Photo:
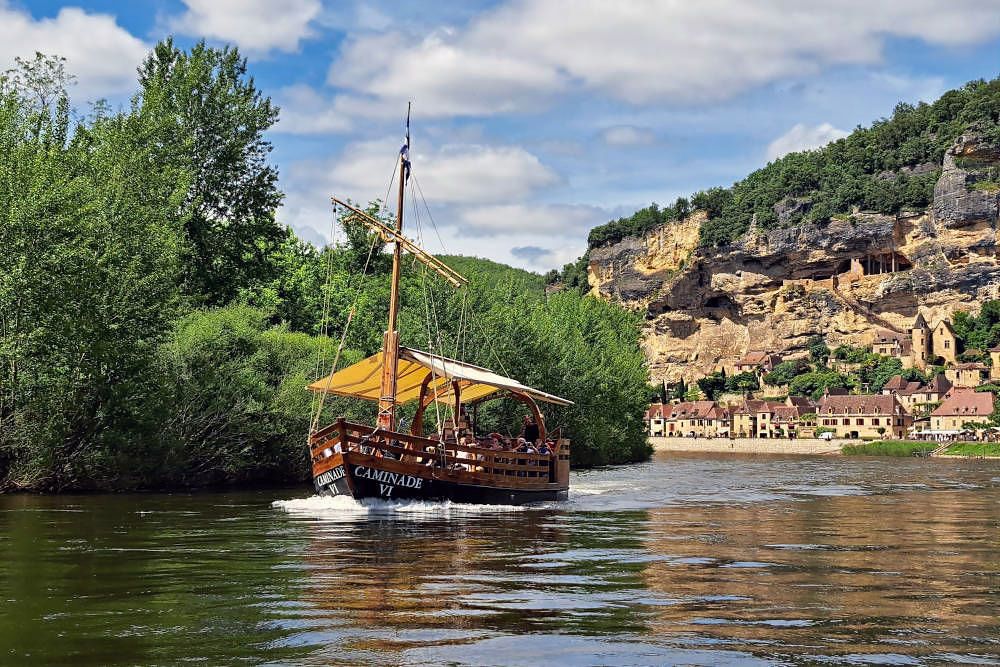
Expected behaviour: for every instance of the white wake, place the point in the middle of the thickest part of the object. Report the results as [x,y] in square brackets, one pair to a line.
[329,506]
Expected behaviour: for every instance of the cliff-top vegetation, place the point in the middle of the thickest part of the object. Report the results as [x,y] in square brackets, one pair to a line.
[888,167]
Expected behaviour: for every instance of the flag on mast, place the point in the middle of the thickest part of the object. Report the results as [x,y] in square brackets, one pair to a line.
[404,152]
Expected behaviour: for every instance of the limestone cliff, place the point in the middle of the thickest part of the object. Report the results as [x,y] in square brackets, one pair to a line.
[843,279]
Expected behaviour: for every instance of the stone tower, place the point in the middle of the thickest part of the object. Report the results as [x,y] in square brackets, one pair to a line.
[945,342]
[920,334]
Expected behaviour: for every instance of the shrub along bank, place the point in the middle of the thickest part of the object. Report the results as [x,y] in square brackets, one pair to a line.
[157,324]
[890,448]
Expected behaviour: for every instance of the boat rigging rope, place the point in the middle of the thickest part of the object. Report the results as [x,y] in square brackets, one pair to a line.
[428,303]
[324,325]
[314,422]
[482,330]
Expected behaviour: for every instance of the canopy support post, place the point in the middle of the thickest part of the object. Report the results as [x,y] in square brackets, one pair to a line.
[535,412]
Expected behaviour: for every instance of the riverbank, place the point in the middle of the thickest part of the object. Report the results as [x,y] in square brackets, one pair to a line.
[810,446]
[817,447]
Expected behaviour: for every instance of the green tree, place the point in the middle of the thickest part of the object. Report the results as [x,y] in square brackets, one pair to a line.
[712,385]
[743,383]
[785,372]
[814,383]
[819,353]
[876,370]
[87,285]
[680,390]
[210,124]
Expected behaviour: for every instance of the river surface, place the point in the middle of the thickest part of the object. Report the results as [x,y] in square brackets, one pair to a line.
[686,559]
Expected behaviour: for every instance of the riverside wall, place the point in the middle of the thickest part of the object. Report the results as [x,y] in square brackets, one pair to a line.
[813,446]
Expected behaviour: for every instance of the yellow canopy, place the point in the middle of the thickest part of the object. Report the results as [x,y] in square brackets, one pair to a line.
[364,380]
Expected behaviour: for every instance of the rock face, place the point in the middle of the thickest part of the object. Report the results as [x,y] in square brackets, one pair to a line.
[957,199]
[844,279]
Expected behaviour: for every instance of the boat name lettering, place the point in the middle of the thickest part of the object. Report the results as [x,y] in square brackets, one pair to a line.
[330,476]
[386,477]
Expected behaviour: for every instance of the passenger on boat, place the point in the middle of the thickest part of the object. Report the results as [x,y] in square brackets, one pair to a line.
[544,448]
[463,455]
[530,432]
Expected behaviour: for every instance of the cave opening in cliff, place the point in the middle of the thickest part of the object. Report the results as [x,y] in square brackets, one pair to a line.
[875,264]
[721,306]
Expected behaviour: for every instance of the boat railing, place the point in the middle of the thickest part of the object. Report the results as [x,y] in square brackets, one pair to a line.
[346,436]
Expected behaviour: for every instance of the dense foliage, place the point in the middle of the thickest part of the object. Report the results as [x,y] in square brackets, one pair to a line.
[888,167]
[157,325]
[980,331]
[638,223]
[713,385]
[209,120]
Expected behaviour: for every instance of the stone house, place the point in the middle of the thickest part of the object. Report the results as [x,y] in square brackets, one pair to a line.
[864,416]
[790,421]
[773,419]
[912,394]
[932,392]
[891,344]
[970,374]
[696,419]
[904,390]
[929,343]
[654,419]
[944,342]
[744,418]
[995,361]
[758,362]
[961,406]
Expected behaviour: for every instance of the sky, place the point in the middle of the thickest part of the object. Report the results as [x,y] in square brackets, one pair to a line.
[533,120]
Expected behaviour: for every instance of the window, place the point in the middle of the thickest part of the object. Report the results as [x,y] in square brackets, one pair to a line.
[947,344]
[859,422]
[847,422]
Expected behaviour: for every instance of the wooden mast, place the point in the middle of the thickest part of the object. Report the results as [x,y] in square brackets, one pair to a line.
[390,342]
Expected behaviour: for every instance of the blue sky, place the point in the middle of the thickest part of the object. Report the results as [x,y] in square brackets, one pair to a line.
[535,120]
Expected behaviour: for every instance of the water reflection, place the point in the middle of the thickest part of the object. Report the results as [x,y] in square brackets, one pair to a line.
[685,560]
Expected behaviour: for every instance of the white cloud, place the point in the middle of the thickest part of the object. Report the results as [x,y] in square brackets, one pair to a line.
[441,76]
[99,52]
[448,173]
[305,111]
[256,26]
[515,57]
[481,198]
[543,219]
[455,178]
[803,138]
[627,135]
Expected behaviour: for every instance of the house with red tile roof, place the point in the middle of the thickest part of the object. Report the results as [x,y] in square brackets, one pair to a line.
[696,419]
[864,416]
[757,361]
[960,407]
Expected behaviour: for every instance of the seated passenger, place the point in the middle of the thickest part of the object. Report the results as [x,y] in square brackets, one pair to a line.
[530,430]
[544,448]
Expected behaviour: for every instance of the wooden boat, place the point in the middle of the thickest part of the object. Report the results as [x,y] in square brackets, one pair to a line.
[383,461]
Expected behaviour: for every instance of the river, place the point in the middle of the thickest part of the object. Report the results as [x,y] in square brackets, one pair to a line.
[687,559]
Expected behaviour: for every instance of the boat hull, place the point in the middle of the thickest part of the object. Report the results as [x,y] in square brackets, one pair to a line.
[371,477]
